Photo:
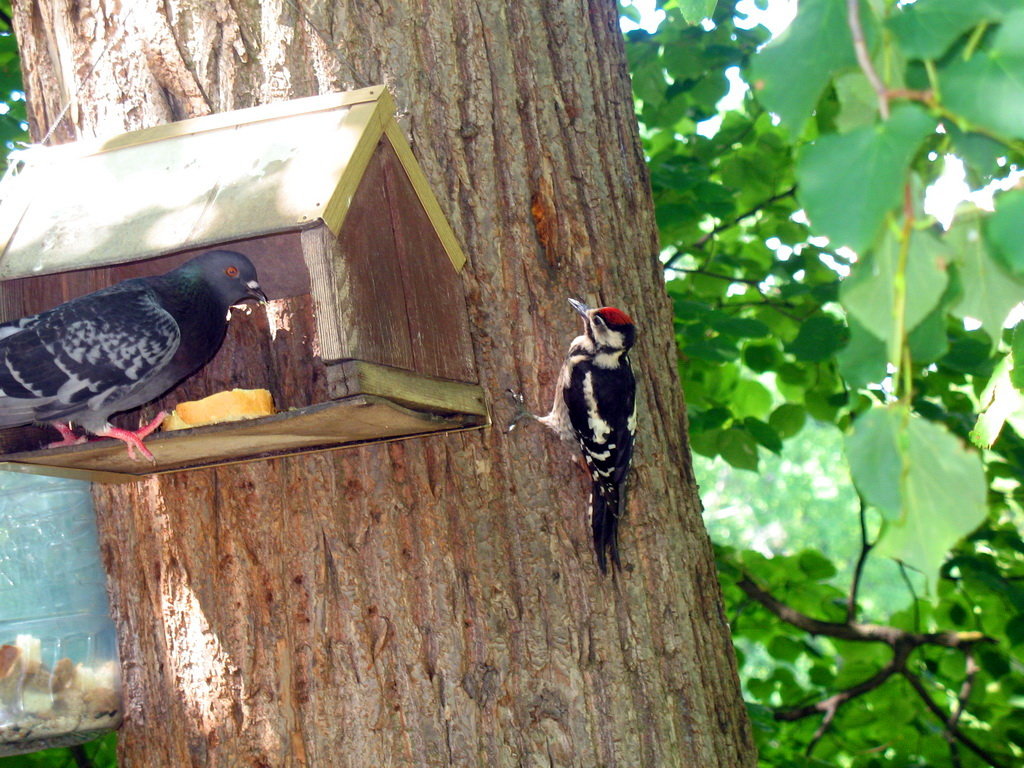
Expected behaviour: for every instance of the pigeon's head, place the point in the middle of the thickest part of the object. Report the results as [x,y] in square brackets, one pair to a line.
[230,275]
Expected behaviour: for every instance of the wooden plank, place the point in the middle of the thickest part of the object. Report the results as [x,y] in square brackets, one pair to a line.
[434,298]
[425,194]
[412,389]
[319,249]
[371,299]
[354,420]
[366,122]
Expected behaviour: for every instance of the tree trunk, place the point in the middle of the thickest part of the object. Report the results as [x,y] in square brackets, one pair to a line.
[434,601]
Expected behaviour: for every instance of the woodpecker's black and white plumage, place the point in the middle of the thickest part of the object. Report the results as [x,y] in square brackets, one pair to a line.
[595,406]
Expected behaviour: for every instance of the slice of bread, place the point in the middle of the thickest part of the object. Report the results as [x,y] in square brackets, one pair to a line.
[231,405]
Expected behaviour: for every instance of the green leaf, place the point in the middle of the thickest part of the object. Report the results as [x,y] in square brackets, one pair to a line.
[1004,232]
[785,648]
[944,498]
[999,401]
[993,662]
[988,88]
[980,154]
[818,339]
[816,566]
[990,292]
[928,341]
[751,398]
[858,102]
[819,39]
[694,11]
[872,162]
[876,463]
[649,82]
[738,448]
[968,355]
[926,29]
[763,434]
[869,294]
[740,327]
[788,419]
[1017,353]
[762,357]
[1015,630]
[716,350]
[863,360]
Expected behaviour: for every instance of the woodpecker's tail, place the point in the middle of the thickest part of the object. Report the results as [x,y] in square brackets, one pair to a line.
[605,509]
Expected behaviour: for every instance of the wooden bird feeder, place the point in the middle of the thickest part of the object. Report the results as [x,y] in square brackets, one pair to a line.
[366,336]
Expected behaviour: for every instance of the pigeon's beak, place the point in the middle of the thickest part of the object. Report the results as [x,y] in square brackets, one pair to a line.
[580,307]
[255,292]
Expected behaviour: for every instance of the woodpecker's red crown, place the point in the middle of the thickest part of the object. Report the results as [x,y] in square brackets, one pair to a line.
[613,316]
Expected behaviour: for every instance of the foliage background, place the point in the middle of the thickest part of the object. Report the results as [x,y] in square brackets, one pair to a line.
[829,326]
[837,347]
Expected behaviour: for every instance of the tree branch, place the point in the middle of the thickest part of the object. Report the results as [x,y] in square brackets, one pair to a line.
[724,225]
[860,46]
[855,631]
[913,593]
[858,570]
[831,705]
[953,730]
[903,643]
[971,671]
[706,273]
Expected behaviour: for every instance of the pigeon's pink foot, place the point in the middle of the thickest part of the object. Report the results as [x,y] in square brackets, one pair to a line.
[134,439]
[67,435]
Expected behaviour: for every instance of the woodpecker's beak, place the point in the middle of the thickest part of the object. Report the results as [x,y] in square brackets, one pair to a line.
[580,307]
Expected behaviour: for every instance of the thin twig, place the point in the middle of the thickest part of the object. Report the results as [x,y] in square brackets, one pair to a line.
[924,96]
[860,46]
[829,706]
[858,570]
[729,278]
[855,631]
[954,730]
[779,306]
[724,225]
[913,594]
[970,671]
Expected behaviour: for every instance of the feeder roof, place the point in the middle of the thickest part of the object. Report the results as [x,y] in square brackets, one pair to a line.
[199,182]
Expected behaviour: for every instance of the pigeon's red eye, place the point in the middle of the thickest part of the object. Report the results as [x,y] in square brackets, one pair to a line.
[231,271]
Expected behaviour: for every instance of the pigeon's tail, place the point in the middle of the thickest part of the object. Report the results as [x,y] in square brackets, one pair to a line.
[605,509]
[15,411]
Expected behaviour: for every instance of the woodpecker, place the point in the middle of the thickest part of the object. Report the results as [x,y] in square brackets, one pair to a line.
[595,406]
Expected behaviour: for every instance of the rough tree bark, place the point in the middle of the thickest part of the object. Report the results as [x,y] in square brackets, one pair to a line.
[435,601]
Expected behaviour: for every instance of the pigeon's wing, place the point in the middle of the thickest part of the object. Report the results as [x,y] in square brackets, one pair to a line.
[14,326]
[86,355]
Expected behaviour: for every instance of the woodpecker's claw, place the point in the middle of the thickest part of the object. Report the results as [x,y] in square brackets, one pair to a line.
[520,405]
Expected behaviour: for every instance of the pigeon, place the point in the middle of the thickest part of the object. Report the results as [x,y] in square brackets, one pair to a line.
[119,348]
